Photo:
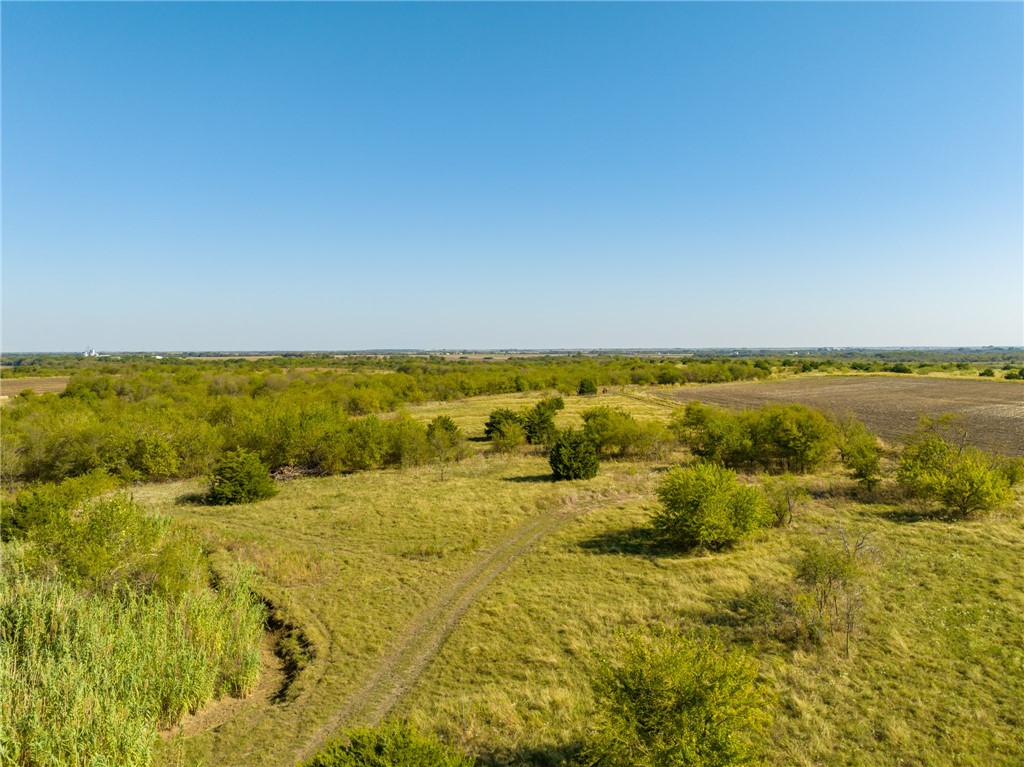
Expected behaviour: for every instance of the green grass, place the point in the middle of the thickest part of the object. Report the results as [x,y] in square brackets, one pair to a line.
[935,675]
[88,678]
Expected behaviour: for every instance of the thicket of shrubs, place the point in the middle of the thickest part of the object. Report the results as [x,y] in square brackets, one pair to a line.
[143,419]
[964,480]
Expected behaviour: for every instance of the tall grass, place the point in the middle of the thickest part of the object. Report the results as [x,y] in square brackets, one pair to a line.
[89,678]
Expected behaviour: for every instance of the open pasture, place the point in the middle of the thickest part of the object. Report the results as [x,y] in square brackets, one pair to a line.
[991,411]
[478,604]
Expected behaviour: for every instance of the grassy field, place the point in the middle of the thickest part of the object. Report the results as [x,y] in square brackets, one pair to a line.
[477,604]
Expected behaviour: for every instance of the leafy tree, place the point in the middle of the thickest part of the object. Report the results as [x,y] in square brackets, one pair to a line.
[508,437]
[713,434]
[392,744]
[573,456]
[446,441]
[498,419]
[785,495]
[860,453]
[587,387]
[705,505]
[539,421]
[668,699]
[965,480]
[240,477]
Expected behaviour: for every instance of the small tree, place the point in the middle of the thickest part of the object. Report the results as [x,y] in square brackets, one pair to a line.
[667,699]
[965,480]
[860,453]
[573,456]
[705,505]
[587,387]
[508,438]
[785,495]
[539,421]
[498,419]
[446,441]
[240,477]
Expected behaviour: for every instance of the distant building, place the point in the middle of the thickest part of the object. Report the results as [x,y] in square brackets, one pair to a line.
[90,353]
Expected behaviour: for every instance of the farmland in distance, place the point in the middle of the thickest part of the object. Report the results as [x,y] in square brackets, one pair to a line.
[991,411]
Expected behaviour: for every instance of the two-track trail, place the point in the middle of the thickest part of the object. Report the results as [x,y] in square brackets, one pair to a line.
[384,685]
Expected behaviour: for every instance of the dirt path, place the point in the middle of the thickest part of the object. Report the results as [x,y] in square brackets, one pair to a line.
[384,685]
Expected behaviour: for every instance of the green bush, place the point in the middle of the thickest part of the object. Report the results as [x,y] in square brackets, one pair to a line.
[240,477]
[446,441]
[392,744]
[667,699]
[587,387]
[860,453]
[705,505]
[964,481]
[775,438]
[573,456]
[539,421]
[508,438]
[499,419]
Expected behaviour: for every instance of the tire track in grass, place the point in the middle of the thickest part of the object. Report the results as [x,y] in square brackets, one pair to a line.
[418,645]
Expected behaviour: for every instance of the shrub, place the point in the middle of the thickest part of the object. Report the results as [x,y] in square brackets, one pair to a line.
[240,477]
[587,387]
[987,373]
[860,453]
[706,506]
[667,699]
[539,421]
[392,744]
[573,456]
[964,481]
[785,495]
[508,438]
[776,438]
[498,419]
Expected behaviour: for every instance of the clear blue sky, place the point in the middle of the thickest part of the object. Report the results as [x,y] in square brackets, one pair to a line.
[349,176]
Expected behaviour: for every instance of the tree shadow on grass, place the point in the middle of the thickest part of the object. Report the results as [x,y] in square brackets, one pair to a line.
[531,478]
[634,541]
[553,755]
[913,516]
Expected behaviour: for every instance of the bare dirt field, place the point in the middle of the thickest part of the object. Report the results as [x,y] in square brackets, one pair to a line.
[10,387]
[992,411]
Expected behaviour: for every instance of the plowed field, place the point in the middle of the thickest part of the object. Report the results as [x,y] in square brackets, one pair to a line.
[992,411]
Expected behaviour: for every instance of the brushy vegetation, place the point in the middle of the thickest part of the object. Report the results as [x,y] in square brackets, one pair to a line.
[850,652]
[705,505]
[964,480]
[392,744]
[774,438]
[669,699]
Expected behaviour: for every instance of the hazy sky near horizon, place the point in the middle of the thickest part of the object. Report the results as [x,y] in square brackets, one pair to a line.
[191,176]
